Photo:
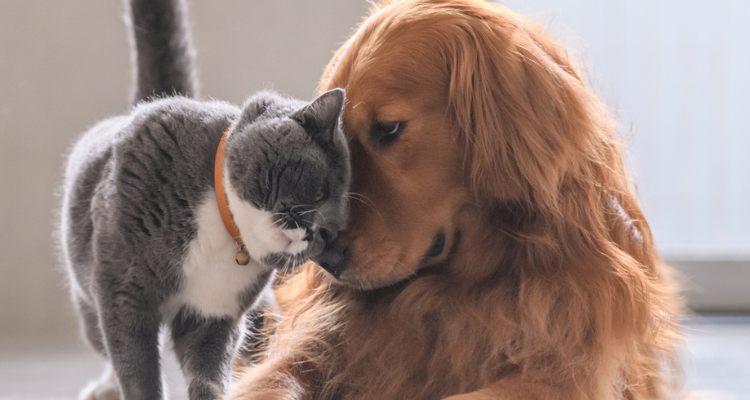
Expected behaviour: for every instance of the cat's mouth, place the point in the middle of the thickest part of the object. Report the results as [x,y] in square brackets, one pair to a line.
[296,240]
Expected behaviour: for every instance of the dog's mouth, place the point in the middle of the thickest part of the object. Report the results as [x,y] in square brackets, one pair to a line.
[435,262]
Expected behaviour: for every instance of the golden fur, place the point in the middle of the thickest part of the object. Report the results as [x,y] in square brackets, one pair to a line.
[551,287]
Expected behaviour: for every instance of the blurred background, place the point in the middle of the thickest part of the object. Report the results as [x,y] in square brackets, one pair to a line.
[675,72]
[677,75]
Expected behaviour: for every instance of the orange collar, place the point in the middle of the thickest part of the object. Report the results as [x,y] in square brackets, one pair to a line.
[242,256]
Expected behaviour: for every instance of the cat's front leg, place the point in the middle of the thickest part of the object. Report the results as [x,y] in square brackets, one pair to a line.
[205,348]
[131,331]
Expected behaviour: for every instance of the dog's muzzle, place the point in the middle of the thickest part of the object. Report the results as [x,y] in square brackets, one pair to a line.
[334,258]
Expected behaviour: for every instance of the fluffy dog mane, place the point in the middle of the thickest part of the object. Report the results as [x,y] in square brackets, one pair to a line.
[558,292]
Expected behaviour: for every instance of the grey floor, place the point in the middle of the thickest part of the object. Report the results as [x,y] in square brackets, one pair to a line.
[716,362]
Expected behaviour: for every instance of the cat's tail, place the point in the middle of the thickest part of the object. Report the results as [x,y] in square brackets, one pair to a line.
[161,49]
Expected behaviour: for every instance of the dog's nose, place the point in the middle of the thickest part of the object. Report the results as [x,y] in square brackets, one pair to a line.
[334,258]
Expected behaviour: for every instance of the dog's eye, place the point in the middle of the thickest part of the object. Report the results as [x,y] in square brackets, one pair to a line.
[386,133]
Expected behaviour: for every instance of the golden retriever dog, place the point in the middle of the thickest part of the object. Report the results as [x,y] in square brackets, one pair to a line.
[495,249]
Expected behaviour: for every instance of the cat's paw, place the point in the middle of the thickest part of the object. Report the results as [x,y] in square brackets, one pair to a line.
[106,388]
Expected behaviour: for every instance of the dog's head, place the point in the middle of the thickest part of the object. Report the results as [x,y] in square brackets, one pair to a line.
[453,107]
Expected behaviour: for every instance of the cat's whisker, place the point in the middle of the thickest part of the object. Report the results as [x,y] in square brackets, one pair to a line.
[323,217]
[319,273]
[364,200]
[286,265]
[314,225]
[298,206]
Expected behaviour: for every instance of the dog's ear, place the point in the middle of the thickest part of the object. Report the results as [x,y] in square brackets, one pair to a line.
[520,107]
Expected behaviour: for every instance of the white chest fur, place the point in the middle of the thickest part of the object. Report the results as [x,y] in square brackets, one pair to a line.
[213,281]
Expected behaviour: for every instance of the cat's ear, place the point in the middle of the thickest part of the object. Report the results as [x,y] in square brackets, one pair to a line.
[322,115]
[256,105]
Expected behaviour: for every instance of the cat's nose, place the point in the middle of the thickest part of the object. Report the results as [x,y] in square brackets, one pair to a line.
[334,258]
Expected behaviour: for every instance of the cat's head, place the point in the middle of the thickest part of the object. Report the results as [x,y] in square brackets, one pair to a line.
[287,175]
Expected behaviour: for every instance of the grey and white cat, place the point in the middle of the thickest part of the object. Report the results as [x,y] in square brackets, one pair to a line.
[142,237]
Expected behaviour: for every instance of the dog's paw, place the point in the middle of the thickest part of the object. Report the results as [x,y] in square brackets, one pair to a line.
[106,388]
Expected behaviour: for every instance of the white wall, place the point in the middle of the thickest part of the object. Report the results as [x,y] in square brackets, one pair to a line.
[677,72]
[64,65]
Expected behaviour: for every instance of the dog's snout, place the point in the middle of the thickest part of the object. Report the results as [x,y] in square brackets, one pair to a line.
[326,235]
[334,258]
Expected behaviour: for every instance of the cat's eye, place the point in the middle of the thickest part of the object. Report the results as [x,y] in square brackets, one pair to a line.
[322,194]
[386,133]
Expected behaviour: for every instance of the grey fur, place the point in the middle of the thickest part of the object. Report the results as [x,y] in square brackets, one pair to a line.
[163,60]
[134,189]
[283,154]
[205,348]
